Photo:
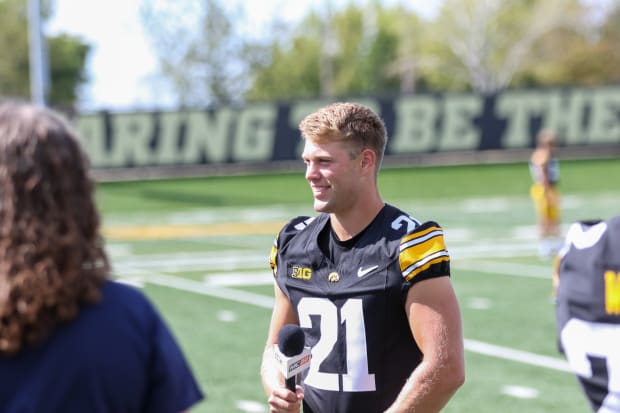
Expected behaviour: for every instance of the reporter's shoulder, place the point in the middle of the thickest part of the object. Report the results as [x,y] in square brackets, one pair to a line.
[121,294]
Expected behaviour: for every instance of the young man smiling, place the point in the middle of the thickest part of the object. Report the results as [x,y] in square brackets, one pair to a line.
[375,301]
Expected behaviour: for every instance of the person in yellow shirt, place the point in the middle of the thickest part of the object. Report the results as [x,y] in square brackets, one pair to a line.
[545,171]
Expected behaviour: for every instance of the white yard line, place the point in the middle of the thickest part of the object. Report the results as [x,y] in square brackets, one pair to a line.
[240,259]
[525,357]
[505,268]
[198,287]
[263,301]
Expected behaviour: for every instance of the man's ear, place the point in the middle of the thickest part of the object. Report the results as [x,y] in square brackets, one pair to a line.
[368,160]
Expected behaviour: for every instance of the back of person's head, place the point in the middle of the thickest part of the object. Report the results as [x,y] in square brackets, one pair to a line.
[352,123]
[52,257]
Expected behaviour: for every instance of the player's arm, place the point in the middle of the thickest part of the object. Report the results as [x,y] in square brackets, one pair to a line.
[280,398]
[435,321]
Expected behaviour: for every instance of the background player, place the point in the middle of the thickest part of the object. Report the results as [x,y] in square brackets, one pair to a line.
[368,283]
[71,340]
[588,309]
[545,171]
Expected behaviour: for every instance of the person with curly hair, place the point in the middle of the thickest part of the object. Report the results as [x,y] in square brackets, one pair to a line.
[71,339]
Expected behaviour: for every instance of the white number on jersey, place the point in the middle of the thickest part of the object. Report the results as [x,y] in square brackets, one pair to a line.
[580,339]
[405,219]
[357,377]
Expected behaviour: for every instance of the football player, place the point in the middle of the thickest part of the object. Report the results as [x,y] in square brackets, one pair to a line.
[588,309]
[368,284]
[545,172]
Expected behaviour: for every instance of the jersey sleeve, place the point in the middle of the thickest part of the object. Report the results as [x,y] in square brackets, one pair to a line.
[423,253]
[589,273]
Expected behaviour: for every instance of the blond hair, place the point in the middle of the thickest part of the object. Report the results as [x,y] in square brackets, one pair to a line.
[352,123]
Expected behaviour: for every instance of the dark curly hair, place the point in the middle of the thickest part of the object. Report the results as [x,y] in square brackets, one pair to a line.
[52,258]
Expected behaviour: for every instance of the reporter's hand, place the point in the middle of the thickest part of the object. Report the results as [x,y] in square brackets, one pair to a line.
[282,400]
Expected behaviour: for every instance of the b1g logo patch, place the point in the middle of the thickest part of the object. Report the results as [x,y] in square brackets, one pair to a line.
[301,273]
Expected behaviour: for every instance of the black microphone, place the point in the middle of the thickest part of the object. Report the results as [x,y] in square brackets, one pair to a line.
[291,354]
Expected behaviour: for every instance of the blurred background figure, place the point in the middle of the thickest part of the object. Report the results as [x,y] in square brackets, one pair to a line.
[71,340]
[545,171]
[588,309]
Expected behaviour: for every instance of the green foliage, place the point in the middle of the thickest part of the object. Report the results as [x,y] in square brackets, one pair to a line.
[350,52]
[67,57]
[14,80]
[376,49]
[367,48]
[67,61]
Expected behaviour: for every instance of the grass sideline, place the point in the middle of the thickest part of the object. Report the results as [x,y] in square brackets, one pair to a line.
[213,288]
[581,176]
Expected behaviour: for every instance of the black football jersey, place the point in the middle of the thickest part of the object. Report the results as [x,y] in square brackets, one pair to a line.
[352,311]
[588,309]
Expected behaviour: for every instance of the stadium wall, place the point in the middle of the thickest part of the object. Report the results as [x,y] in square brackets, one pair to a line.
[433,128]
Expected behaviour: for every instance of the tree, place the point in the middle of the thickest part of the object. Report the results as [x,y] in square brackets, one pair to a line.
[67,57]
[14,48]
[334,53]
[492,39]
[198,50]
[67,60]
[368,48]
[588,57]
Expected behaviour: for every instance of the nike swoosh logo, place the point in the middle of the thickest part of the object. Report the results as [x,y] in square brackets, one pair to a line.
[363,271]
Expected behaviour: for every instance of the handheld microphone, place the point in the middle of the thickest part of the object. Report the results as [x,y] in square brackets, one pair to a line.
[291,354]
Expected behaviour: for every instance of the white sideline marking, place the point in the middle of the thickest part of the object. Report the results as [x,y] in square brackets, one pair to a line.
[520,392]
[227,316]
[517,355]
[493,249]
[192,286]
[239,260]
[250,406]
[267,302]
[228,279]
[479,303]
[194,262]
[506,268]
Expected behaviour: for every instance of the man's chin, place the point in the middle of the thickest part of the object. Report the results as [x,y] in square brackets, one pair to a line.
[320,206]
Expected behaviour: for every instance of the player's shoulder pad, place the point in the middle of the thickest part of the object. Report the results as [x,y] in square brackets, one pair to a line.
[583,234]
[288,231]
[293,227]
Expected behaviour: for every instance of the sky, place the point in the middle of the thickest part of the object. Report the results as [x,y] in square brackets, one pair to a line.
[122,66]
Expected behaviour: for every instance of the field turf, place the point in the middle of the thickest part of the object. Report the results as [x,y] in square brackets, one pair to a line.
[199,248]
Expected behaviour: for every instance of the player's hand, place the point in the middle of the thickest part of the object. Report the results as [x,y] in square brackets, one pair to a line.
[282,400]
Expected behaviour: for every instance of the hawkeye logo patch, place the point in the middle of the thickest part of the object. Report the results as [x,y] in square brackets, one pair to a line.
[301,273]
[333,277]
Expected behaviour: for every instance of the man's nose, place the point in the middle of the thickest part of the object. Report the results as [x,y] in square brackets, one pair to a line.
[311,171]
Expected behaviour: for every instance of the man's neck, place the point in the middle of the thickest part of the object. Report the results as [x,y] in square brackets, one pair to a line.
[349,224]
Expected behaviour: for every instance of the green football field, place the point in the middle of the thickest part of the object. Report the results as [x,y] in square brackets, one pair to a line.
[199,249]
